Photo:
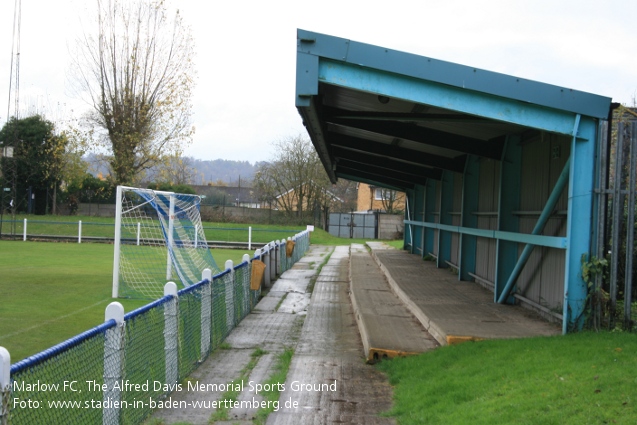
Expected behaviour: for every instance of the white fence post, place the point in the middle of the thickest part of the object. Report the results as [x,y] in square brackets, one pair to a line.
[230,316]
[79,232]
[113,363]
[277,257]
[171,334]
[272,262]
[5,385]
[249,238]
[267,253]
[246,281]
[206,312]
[139,232]
[24,230]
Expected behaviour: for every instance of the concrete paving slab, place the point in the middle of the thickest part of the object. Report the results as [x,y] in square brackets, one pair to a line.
[334,274]
[270,332]
[268,304]
[292,285]
[250,396]
[294,274]
[220,369]
[454,311]
[295,303]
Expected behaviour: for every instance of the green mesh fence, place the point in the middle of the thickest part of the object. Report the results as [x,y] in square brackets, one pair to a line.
[145,360]
[51,387]
[119,373]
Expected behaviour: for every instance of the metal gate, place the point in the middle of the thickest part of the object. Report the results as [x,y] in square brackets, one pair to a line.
[354,225]
[614,290]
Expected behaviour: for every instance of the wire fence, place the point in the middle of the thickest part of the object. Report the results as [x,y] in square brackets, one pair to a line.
[120,371]
[30,228]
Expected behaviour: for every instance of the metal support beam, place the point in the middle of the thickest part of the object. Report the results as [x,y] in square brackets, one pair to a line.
[419,214]
[430,208]
[537,230]
[506,255]
[446,205]
[579,222]
[409,232]
[470,196]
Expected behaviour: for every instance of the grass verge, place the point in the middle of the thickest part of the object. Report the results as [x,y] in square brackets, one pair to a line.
[574,379]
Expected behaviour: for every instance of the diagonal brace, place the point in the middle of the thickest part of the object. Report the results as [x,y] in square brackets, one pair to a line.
[537,230]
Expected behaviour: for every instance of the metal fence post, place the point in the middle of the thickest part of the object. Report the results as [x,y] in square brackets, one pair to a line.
[79,232]
[5,385]
[171,334]
[113,362]
[206,312]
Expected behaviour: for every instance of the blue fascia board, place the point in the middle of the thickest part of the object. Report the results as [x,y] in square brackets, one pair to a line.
[446,97]
[539,240]
[452,74]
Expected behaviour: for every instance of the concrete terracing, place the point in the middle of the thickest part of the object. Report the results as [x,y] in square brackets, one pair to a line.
[387,327]
[451,310]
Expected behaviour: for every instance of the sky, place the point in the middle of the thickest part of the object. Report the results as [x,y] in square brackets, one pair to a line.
[246,54]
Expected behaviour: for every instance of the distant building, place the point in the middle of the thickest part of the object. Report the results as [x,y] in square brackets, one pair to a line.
[375,198]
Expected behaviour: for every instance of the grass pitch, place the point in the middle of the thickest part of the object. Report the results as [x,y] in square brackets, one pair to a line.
[50,292]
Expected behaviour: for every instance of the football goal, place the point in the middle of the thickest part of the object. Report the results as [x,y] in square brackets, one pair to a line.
[158,238]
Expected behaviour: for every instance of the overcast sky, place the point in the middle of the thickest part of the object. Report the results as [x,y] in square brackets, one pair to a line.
[246,52]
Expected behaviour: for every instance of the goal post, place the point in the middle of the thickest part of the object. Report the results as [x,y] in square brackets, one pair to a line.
[158,237]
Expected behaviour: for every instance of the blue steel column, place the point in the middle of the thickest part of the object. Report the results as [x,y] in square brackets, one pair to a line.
[430,206]
[470,196]
[579,224]
[446,205]
[409,237]
[419,215]
[509,201]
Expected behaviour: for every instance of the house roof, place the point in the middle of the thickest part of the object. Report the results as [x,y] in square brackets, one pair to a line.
[396,119]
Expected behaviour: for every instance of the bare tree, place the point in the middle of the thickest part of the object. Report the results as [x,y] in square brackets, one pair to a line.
[294,181]
[173,169]
[135,66]
[390,201]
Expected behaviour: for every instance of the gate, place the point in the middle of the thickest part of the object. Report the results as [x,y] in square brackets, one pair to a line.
[354,225]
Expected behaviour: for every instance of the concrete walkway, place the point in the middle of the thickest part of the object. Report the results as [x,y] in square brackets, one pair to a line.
[328,381]
[454,311]
[329,352]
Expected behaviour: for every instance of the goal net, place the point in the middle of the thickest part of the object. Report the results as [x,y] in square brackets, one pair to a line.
[158,238]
